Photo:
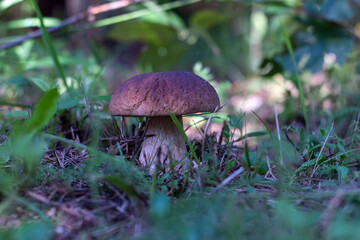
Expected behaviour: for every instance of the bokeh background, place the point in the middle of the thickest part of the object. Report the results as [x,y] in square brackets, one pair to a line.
[238,46]
[287,72]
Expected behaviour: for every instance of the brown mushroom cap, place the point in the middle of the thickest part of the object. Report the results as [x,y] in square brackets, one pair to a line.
[155,94]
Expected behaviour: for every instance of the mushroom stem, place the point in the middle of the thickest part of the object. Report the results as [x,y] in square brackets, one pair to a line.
[166,137]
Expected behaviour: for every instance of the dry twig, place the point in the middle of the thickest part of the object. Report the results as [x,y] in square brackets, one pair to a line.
[227,180]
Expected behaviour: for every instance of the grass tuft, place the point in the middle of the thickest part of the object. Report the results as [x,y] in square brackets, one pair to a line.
[49,43]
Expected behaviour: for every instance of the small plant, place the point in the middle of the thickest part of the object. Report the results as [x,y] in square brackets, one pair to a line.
[69,170]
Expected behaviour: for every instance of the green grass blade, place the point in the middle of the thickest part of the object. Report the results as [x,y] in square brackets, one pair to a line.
[154,181]
[266,126]
[298,81]
[183,134]
[48,42]
[119,182]
[247,155]
[32,207]
[141,13]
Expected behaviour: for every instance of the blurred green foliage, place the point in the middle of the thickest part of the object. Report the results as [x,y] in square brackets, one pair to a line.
[54,93]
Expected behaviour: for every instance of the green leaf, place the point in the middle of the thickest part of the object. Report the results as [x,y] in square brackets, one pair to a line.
[159,206]
[337,11]
[118,182]
[164,49]
[236,121]
[70,100]
[202,71]
[322,132]
[32,22]
[4,158]
[4,153]
[105,98]
[24,50]
[4,4]
[325,38]
[296,222]
[345,224]
[162,58]
[17,80]
[342,173]
[26,143]
[27,147]
[17,115]
[151,33]
[5,234]
[39,230]
[305,165]
[7,184]
[45,110]
[42,84]
[206,19]
[341,147]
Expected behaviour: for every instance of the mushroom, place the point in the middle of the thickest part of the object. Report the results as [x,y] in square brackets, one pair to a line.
[154,95]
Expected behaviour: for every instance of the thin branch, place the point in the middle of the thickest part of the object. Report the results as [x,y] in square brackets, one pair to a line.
[228,180]
[279,137]
[205,132]
[87,15]
[269,172]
